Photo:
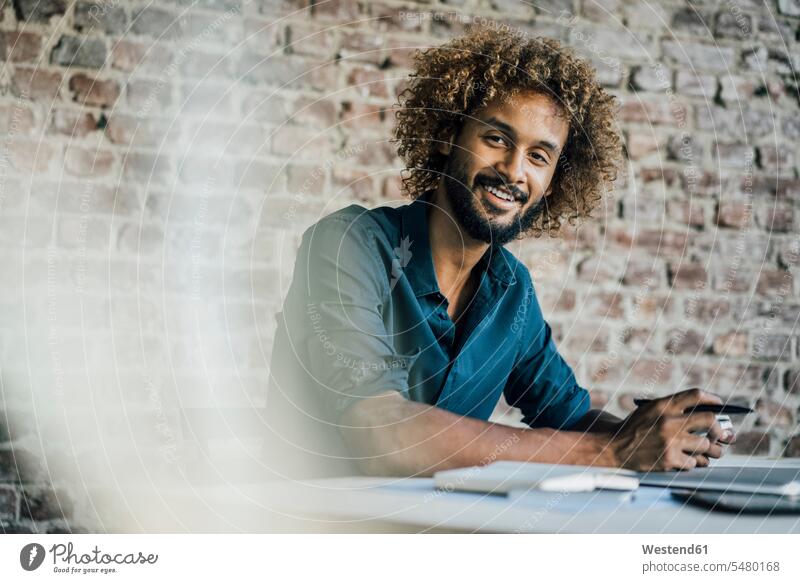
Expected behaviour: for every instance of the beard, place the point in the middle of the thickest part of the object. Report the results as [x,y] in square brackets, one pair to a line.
[471,214]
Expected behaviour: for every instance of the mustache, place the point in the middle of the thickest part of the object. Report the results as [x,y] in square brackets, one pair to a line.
[497,182]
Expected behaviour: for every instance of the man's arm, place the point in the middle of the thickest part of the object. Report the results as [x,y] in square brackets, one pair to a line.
[393,436]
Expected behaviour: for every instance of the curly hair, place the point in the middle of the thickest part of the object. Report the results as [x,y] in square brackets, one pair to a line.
[452,81]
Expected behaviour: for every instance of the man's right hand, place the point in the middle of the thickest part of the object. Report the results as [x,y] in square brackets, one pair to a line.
[658,435]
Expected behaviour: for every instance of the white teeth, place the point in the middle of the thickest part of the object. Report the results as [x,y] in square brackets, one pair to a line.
[500,193]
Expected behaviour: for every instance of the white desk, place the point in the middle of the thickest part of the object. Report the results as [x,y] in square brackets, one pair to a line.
[413,504]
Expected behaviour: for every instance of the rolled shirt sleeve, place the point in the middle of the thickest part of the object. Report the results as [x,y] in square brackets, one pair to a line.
[542,385]
[342,284]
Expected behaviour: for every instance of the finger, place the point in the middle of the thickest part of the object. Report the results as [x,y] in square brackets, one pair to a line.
[728,437]
[701,422]
[702,461]
[681,461]
[695,444]
[690,398]
[714,451]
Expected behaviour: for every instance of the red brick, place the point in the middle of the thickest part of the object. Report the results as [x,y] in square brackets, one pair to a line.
[669,176]
[20,47]
[88,162]
[732,344]
[659,112]
[776,158]
[141,57]
[707,309]
[690,213]
[73,123]
[368,82]
[656,241]
[16,119]
[651,373]
[91,91]
[705,183]
[580,341]
[310,40]
[640,144]
[604,370]
[685,341]
[367,47]
[735,214]
[752,443]
[35,84]
[604,305]
[686,275]
[392,189]
[775,218]
[643,273]
[339,10]
[773,282]
[146,132]
[772,414]
[354,184]
[637,339]
[362,116]
[320,113]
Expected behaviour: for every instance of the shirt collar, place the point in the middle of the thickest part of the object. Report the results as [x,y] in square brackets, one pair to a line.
[419,267]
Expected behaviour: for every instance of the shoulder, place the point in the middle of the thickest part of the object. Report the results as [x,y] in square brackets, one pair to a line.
[354,223]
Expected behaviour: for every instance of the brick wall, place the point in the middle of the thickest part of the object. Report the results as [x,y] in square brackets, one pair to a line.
[160,161]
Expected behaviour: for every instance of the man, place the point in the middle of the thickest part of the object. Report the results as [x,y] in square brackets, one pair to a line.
[403,326]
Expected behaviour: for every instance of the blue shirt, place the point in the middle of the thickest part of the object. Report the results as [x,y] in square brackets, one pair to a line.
[364,314]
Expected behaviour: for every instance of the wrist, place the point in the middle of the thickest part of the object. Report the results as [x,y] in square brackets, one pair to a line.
[605,453]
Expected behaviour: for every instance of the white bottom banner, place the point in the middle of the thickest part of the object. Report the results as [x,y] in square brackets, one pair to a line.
[401,558]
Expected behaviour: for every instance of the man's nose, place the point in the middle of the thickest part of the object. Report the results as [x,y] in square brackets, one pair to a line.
[512,168]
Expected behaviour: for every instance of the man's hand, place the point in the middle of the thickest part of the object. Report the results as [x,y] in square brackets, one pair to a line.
[658,435]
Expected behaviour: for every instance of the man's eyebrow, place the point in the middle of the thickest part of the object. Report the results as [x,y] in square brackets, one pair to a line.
[504,127]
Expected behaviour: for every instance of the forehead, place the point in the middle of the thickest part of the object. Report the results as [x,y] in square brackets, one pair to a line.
[533,115]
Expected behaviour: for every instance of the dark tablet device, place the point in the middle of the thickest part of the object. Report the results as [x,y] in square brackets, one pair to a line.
[741,503]
[718,409]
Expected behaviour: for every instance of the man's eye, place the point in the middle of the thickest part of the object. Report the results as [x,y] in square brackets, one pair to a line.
[538,157]
[499,139]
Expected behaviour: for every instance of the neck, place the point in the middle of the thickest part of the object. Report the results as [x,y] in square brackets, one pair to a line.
[454,252]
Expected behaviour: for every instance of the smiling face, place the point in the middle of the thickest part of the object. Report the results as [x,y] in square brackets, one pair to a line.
[500,166]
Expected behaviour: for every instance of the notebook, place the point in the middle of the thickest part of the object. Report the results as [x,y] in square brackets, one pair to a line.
[503,477]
